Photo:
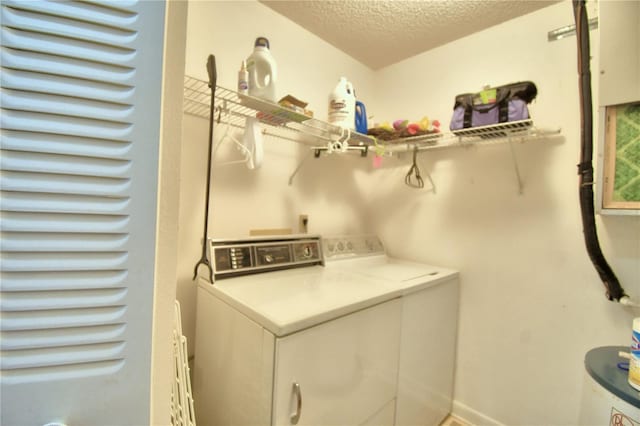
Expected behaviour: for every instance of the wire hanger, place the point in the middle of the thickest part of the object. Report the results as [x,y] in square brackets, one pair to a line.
[413,177]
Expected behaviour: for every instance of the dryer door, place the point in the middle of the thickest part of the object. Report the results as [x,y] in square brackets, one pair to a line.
[341,372]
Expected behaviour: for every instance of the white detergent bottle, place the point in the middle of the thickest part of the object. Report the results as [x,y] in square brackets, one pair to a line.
[263,72]
[342,105]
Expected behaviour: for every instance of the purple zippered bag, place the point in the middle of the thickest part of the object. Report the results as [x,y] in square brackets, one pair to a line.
[509,104]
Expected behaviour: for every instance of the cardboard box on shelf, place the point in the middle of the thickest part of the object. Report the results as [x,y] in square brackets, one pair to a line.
[296,105]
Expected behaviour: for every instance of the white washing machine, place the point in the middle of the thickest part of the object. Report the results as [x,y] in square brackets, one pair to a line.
[282,339]
[430,296]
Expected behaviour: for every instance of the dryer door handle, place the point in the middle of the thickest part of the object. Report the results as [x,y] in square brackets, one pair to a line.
[295,417]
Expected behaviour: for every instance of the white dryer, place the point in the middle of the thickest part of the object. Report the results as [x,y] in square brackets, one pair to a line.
[283,339]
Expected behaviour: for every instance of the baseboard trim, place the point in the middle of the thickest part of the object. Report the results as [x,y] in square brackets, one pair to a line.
[472,416]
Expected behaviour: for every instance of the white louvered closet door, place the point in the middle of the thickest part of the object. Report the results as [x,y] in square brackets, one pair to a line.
[80,103]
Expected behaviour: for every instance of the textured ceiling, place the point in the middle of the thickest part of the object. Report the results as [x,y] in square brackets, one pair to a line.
[380,33]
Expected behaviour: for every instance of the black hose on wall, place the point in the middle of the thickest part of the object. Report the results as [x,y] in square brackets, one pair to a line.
[585,168]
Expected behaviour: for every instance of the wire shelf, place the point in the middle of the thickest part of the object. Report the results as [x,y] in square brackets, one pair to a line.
[324,137]
[500,130]
[281,122]
[233,109]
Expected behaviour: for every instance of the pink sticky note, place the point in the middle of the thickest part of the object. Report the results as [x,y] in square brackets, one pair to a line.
[377,161]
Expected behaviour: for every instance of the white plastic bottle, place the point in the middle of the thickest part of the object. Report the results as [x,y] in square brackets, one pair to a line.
[342,105]
[263,72]
[243,79]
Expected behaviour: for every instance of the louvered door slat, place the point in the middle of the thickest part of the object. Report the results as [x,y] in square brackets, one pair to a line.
[116,13]
[64,125]
[65,66]
[62,280]
[43,83]
[80,96]
[66,355]
[66,47]
[52,319]
[77,223]
[61,299]
[64,144]
[63,261]
[62,203]
[65,105]
[47,242]
[71,336]
[59,183]
[64,164]
[66,27]
[73,372]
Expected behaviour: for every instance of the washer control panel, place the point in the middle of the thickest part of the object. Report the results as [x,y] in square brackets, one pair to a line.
[236,257]
[351,246]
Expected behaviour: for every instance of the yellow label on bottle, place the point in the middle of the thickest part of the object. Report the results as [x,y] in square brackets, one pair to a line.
[634,372]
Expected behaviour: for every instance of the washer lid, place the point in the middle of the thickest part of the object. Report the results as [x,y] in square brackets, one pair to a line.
[408,276]
[400,272]
[287,301]
[602,364]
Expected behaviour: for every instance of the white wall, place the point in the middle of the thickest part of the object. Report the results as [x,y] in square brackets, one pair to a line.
[243,199]
[531,303]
